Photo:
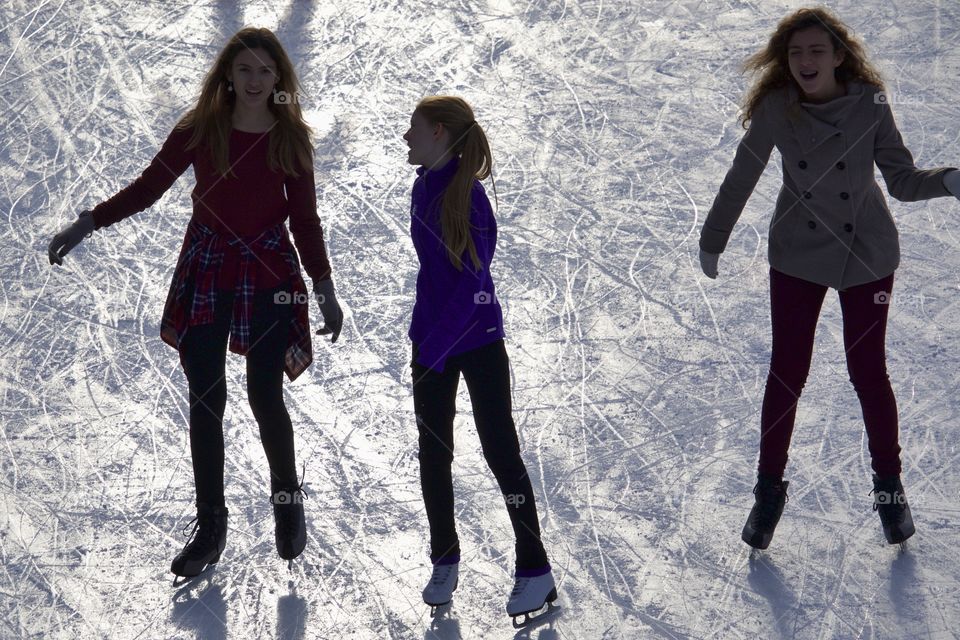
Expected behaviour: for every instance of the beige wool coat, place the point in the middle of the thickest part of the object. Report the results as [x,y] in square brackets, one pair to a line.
[831,224]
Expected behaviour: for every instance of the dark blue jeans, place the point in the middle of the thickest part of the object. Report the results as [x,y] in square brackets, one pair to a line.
[486,371]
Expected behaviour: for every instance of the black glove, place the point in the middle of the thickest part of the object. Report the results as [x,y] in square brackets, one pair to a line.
[69,237]
[329,308]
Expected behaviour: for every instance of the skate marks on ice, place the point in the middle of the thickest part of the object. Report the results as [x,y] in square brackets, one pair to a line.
[637,384]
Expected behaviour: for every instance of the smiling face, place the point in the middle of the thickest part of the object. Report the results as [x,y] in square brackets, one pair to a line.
[254,74]
[812,61]
[427,142]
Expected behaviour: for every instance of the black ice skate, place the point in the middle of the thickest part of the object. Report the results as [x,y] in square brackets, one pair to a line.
[771,495]
[890,502]
[206,541]
[291,526]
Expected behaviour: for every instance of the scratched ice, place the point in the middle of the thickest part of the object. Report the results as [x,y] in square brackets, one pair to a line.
[637,381]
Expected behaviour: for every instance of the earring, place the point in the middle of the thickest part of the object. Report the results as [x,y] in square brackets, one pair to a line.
[229,86]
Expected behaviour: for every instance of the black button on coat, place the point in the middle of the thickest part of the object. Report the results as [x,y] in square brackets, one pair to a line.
[855,131]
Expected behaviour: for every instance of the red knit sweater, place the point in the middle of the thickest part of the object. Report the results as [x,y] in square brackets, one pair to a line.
[244,205]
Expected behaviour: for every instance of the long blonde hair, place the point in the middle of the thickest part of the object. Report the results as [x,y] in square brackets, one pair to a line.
[772,65]
[211,118]
[467,140]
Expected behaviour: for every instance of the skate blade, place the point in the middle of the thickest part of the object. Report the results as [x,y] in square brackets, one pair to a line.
[179,581]
[899,537]
[546,613]
[756,540]
[437,609]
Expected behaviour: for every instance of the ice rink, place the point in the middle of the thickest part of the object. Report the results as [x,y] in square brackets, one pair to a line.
[637,380]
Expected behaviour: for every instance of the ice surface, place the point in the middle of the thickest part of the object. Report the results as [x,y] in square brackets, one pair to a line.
[637,381]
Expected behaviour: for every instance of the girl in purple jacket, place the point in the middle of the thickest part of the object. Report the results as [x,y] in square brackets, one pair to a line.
[457,327]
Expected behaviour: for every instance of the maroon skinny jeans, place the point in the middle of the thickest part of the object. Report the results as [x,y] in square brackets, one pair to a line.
[795,307]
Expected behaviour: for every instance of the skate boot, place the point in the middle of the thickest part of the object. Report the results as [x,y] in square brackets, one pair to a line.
[206,541]
[890,502]
[291,525]
[771,495]
[443,582]
[530,594]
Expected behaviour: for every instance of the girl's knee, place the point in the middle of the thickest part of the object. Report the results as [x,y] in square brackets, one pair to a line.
[433,454]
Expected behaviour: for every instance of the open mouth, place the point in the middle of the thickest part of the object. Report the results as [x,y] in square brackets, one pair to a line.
[808,75]
[253,93]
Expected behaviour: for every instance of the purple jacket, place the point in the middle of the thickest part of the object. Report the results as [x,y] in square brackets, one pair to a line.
[455,311]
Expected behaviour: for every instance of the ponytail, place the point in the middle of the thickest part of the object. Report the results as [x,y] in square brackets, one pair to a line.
[476,162]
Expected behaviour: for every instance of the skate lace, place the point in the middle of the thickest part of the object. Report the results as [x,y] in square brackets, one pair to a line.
[287,521]
[767,507]
[441,573]
[892,512]
[519,586]
[201,537]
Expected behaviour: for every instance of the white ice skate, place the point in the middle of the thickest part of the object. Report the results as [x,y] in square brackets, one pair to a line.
[443,582]
[529,595]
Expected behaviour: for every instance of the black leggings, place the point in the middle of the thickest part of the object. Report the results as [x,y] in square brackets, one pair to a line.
[487,373]
[203,353]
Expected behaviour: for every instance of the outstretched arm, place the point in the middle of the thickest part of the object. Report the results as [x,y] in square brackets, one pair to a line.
[748,165]
[904,181]
[169,163]
[166,167]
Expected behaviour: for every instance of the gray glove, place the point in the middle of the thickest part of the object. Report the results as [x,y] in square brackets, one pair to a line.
[708,262]
[951,180]
[69,237]
[329,309]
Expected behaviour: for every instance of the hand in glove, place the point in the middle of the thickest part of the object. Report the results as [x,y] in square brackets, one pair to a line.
[708,262]
[329,308]
[69,237]
[951,180]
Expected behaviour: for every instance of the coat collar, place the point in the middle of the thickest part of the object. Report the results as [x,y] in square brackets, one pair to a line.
[815,123]
[445,171]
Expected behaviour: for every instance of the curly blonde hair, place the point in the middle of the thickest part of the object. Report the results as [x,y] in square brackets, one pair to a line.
[771,64]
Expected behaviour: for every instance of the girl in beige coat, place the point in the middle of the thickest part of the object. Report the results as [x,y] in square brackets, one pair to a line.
[823,106]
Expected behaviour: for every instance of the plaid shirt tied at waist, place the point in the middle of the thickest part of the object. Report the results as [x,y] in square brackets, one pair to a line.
[201,260]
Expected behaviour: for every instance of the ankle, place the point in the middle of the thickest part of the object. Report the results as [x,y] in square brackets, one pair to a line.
[532,572]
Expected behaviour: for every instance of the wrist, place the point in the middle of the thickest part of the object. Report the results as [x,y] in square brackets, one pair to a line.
[324,286]
[86,223]
[951,181]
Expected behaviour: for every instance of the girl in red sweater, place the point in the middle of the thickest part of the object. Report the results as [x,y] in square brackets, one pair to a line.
[237,274]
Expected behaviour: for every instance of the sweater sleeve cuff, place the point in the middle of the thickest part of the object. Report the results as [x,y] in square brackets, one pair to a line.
[713,240]
[97,223]
[951,186]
